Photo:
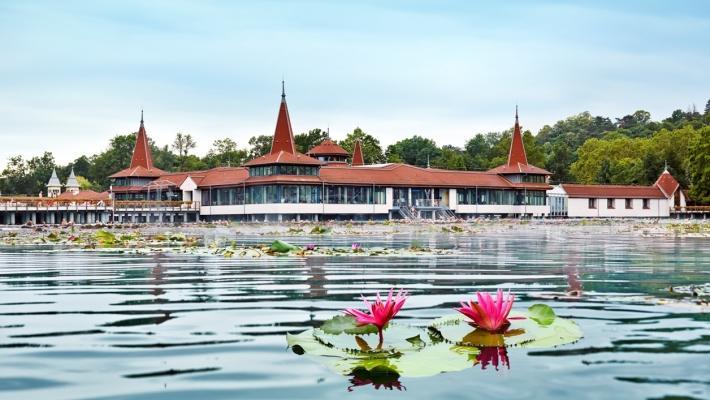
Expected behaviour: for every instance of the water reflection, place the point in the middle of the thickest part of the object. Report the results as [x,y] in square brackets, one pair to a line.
[379,377]
[182,327]
[492,356]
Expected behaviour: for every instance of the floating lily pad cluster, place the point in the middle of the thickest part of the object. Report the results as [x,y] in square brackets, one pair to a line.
[447,344]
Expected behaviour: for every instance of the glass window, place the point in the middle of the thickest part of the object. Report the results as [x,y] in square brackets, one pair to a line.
[610,203]
[592,203]
[629,203]
[646,204]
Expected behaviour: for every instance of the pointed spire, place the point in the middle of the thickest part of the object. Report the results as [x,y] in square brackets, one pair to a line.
[517,155]
[141,152]
[72,182]
[358,159]
[427,161]
[283,136]
[54,179]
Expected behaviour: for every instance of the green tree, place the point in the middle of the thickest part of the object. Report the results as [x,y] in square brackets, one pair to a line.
[310,139]
[27,177]
[371,148]
[415,150]
[182,144]
[699,166]
[225,152]
[259,145]
[476,153]
[450,157]
[560,157]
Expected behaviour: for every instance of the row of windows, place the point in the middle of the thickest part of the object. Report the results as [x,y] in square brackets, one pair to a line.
[628,203]
[267,170]
[527,178]
[268,194]
[502,197]
[130,181]
[152,196]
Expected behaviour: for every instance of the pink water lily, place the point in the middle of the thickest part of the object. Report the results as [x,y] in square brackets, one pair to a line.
[489,314]
[380,312]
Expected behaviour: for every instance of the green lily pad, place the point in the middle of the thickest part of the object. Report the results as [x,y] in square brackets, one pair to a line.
[346,324]
[282,247]
[542,314]
[455,329]
[396,339]
[429,360]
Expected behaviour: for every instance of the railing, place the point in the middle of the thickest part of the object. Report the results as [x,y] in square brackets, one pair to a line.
[16,203]
[692,209]
[156,205]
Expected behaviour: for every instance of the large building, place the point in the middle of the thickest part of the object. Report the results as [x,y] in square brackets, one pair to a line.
[609,201]
[287,185]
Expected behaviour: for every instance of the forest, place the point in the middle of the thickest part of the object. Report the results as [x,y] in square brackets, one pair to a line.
[583,148]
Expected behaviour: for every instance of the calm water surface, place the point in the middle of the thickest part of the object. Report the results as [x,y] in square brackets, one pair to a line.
[105,326]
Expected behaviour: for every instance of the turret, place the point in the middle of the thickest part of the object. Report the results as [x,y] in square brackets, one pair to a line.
[54,187]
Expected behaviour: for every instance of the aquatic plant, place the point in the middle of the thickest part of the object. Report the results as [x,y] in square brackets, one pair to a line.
[310,247]
[380,312]
[357,247]
[489,314]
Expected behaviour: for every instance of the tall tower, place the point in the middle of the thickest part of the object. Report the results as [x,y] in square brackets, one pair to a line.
[54,187]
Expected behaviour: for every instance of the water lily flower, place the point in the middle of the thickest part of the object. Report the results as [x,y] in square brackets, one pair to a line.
[380,312]
[356,247]
[489,314]
[310,247]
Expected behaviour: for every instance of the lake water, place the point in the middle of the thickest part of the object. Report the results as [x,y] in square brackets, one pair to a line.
[78,325]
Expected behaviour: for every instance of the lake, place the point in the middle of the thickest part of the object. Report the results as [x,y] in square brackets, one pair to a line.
[92,325]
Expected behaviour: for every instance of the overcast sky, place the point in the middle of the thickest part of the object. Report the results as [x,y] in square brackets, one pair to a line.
[74,74]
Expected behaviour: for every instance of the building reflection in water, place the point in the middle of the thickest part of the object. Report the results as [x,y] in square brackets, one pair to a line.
[316,281]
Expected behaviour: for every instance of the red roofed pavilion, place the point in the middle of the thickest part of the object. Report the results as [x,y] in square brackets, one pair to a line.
[517,164]
[142,160]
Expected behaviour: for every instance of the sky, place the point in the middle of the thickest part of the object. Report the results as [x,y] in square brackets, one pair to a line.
[74,74]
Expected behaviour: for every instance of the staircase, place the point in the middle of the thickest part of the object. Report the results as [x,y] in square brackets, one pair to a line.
[407,213]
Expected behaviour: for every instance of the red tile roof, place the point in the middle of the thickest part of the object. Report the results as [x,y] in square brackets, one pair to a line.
[516,154]
[612,191]
[517,159]
[358,159]
[138,172]
[519,169]
[84,195]
[327,148]
[667,183]
[283,135]
[407,175]
[142,160]
[224,176]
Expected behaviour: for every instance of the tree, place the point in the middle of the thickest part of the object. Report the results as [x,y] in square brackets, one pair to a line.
[259,145]
[307,141]
[559,159]
[476,153]
[415,150]
[183,143]
[224,152]
[371,148]
[28,177]
[450,157]
[699,166]
[707,107]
